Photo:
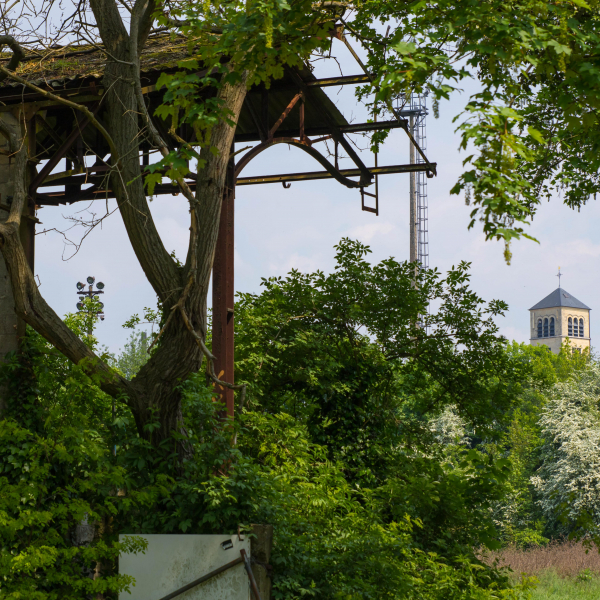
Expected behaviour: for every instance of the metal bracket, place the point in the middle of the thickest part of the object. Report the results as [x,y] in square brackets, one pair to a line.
[335,173]
[338,136]
[369,208]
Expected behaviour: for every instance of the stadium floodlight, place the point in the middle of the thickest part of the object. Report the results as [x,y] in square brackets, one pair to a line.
[94,309]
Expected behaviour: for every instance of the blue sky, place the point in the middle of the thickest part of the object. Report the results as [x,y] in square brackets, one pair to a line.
[278,229]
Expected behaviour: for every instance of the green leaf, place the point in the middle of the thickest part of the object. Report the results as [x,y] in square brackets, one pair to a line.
[151,180]
[536,135]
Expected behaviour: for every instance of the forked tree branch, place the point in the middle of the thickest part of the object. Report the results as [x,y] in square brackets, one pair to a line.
[29,303]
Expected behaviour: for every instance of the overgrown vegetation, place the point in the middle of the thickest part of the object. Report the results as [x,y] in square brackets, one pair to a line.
[387,445]
[565,570]
[335,446]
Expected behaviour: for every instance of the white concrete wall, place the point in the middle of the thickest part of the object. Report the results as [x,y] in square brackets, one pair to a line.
[173,561]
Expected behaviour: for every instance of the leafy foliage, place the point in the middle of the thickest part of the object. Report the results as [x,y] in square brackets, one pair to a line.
[357,354]
[357,359]
[530,130]
[567,481]
[56,477]
[386,511]
[521,516]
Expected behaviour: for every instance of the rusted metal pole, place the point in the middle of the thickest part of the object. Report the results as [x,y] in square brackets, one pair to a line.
[413,200]
[223,294]
[248,567]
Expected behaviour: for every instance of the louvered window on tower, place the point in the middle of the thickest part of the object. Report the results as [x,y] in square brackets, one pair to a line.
[559,316]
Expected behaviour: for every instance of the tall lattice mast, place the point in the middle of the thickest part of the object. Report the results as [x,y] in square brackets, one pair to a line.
[419,107]
[415,109]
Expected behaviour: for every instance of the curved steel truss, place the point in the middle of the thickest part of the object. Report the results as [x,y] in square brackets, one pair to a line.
[303,145]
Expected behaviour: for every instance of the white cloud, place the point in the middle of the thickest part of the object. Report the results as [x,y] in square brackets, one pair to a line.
[305,264]
[371,231]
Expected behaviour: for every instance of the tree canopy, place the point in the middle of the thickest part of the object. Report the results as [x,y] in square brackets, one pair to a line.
[529,130]
[335,447]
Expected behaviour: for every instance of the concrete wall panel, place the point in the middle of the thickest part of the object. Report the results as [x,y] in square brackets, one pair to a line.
[173,561]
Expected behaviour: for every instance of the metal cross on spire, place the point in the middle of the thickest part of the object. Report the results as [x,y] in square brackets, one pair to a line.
[559,275]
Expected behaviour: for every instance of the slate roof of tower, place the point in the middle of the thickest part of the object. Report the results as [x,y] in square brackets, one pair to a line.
[560,297]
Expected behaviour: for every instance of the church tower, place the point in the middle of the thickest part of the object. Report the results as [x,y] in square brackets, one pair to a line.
[560,316]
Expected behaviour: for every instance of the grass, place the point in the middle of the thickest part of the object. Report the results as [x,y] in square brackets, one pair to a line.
[554,587]
[564,569]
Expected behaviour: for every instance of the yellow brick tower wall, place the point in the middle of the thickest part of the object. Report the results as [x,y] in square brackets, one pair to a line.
[561,316]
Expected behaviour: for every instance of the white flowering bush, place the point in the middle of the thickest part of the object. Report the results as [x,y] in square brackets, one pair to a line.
[568,481]
[449,428]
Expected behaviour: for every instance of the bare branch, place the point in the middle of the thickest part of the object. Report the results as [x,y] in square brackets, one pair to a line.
[88,224]
[16,58]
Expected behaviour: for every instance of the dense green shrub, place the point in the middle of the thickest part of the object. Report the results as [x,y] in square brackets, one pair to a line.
[527,516]
[335,449]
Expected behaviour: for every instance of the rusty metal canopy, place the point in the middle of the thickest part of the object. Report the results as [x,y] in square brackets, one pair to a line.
[76,72]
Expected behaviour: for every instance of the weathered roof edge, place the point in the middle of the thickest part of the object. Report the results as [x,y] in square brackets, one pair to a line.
[559,298]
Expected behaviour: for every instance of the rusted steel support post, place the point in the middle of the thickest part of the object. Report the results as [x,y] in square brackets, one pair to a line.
[223,293]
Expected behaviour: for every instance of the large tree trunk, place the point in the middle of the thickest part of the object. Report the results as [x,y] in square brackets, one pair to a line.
[156,385]
[155,388]
[181,290]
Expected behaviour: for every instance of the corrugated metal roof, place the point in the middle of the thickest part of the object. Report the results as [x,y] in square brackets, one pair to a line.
[560,297]
[79,67]
[59,66]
